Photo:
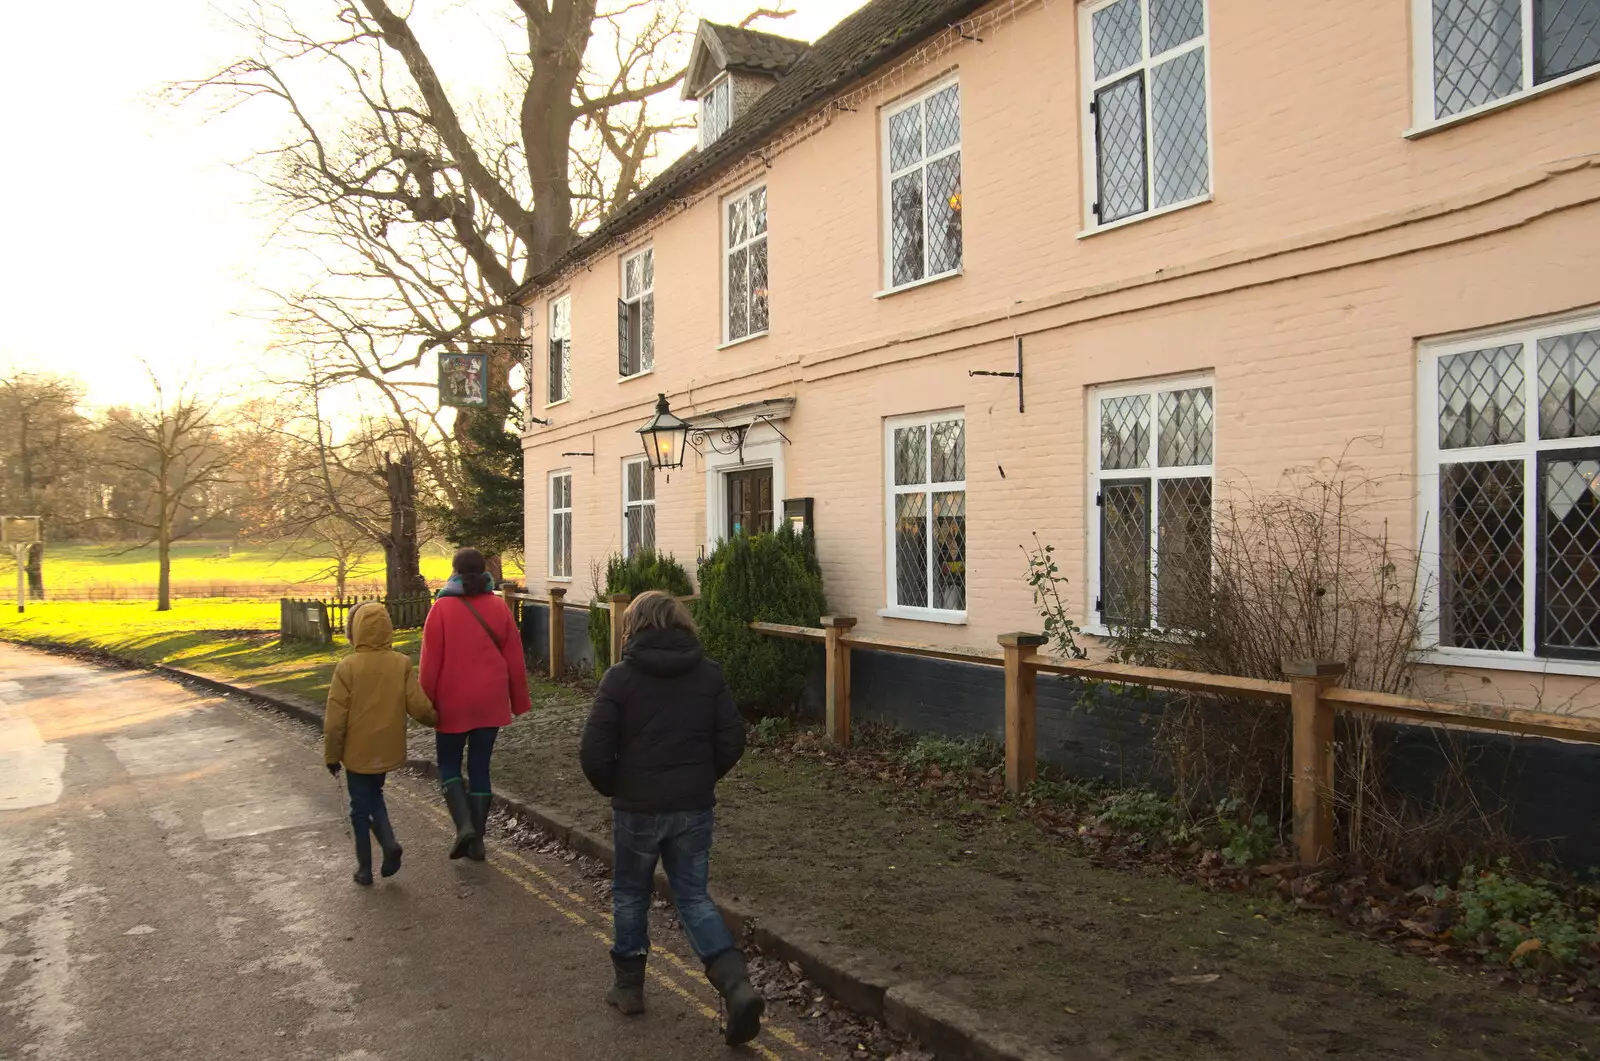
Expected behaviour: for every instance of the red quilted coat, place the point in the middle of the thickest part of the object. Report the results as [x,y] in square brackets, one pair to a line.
[472,682]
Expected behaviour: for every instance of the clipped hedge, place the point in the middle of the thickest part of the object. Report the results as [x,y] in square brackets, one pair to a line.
[773,578]
[645,569]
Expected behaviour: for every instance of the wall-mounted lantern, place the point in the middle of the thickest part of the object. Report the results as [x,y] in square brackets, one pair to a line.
[665,436]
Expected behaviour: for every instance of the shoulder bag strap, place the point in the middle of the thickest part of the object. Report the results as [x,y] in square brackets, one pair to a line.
[498,644]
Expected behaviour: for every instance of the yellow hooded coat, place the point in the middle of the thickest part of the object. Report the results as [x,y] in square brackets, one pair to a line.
[373,690]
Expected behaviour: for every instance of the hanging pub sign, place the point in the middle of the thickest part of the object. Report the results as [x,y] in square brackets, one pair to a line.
[463,380]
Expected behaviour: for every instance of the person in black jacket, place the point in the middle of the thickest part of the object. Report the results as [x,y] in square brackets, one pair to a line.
[662,732]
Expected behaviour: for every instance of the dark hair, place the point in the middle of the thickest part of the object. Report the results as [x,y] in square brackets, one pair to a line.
[468,563]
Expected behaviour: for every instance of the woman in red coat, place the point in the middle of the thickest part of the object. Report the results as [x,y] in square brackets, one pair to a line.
[474,672]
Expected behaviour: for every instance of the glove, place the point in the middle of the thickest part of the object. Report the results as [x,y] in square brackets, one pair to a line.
[333,768]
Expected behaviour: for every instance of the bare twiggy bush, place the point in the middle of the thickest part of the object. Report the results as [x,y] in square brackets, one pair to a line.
[1307,570]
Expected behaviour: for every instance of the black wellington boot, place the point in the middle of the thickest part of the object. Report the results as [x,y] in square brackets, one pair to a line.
[363,874]
[729,976]
[627,994]
[479,802]
[384,831]
[455,797]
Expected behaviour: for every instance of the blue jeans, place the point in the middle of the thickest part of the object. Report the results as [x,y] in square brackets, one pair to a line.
[366,800]
[479,746]
[682,841]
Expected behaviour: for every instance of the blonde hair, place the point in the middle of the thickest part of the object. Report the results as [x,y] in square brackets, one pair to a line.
[655,610]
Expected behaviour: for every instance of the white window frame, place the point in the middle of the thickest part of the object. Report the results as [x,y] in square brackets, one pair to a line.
[1430,457]
[892,609]
[1424,105]
[550,525]
[728,251]
[566,351]
[628,503]
[645,357]
[723,86]
[887,177]
[1153,471]
[1091,159]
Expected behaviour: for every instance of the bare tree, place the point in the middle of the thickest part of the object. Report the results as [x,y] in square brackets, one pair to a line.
[431,208]
[42,437]
[174,447]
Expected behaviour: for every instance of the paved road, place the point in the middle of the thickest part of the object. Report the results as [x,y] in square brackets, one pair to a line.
[175,883]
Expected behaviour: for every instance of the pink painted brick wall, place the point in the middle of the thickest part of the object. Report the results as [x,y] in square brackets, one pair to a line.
[1332,246]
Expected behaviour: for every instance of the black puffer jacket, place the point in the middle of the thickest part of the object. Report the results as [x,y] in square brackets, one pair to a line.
[663,729]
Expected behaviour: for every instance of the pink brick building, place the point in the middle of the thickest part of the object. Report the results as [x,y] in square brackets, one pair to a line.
[1227,238]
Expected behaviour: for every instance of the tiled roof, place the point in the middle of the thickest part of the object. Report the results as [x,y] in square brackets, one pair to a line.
[758,52]
[871,37]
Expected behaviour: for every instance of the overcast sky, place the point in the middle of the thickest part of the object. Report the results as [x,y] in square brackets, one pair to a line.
[128,233]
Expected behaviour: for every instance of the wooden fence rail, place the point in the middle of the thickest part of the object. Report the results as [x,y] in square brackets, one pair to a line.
[1310,689]
[555,601]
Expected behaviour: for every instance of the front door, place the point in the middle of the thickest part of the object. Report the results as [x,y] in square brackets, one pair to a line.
[749,493]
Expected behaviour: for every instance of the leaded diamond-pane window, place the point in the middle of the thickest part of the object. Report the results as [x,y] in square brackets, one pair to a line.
[928,525]
[1569,385]
[1185,426]
[1152,540]
[924,187]
[638,506]
[1569,553]
[636,314]
[1125,432]
[1480,398]
[1149,105]
[1481,568]
[560,375]
[561,525]
[1517,456]
[1477,48]
[716,112]
[746,250]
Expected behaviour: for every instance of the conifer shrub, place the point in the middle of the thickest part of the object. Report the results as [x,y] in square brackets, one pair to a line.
[645,569]
[773,578]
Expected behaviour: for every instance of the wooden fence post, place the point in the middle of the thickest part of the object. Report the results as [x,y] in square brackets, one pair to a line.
[619,605]
[558,631]
[1312,719]
[1021,709]
[838,677]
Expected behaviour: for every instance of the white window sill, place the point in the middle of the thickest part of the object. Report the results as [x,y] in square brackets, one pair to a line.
[924,282]
[637,375]
[552,405]
[741,342]
[560,578]
[924,615]
[1427,128]
[1161,211]
[1508,661]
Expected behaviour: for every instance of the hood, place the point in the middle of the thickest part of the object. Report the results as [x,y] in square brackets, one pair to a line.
[370,629]
[454,588]
[664,653]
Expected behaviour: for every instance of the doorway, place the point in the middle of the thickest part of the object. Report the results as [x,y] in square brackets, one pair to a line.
[749,494]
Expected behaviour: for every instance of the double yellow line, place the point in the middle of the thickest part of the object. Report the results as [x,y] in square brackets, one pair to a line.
[575,908]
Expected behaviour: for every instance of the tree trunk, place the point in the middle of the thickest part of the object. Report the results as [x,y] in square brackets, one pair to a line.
[164,543]
[402,553]
[36,571]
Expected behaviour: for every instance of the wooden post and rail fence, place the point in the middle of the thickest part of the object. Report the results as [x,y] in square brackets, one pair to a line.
[1310,689]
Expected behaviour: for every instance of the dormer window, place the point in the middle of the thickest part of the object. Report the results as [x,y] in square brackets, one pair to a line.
[730,68]
[716,110]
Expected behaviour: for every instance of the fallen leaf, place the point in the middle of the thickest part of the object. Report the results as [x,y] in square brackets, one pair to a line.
[1192,981]
[1527,946]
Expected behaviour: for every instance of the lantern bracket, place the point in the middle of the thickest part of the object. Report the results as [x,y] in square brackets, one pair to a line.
[729,439]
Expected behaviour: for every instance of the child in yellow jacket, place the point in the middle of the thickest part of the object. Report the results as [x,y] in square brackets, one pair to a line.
[364,729]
